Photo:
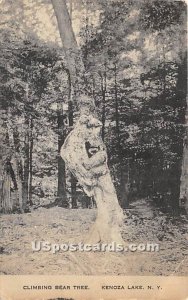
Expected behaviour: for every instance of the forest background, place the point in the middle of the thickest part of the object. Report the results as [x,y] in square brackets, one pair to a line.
[136,53]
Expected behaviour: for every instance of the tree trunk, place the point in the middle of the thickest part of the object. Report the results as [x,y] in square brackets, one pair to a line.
[123,172]
[182,143]
[19,171]
[86,33]
[70,9]
[26,153]
[61,192]
[103,89]
[73,191]
[184,169]
[175,174]
[7,205]
[71,124]
[12,174]
[30,162]
[91,170]
[25,181]
[73,179]
[124,186]
[13,136]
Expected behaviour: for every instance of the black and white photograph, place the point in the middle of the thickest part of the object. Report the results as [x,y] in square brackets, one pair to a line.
[93,139]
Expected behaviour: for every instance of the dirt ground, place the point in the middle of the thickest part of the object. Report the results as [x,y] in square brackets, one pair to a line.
[58,225]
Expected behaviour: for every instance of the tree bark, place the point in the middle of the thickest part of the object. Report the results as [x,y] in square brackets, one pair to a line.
[71,124]
[70,9]
[19,174]
[61,192]
[7,205]
[73,179]
[92,172]
[103,89]
[181,171]
[30,162]
[123,172]
[75,64]
[12,174]
[184,170]
[16,159]
[26,163]
[73,191]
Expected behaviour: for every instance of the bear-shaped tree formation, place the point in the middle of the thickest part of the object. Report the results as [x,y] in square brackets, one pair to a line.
[85,155]
[84,151]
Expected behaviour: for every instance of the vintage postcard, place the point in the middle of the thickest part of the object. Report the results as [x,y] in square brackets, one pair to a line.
[94,150]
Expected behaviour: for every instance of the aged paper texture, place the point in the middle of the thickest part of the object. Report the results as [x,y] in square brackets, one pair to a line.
[94,149]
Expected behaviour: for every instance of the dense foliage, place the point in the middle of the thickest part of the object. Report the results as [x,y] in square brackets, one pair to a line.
[140,61]
[135,55]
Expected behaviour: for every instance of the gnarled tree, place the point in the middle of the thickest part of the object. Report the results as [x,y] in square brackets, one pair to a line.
[84,151]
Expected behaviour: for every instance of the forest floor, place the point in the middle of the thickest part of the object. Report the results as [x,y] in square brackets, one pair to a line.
[58,225]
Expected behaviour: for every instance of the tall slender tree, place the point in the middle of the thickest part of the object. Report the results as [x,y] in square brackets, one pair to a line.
[61,189]
[91,172]
[184,167]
